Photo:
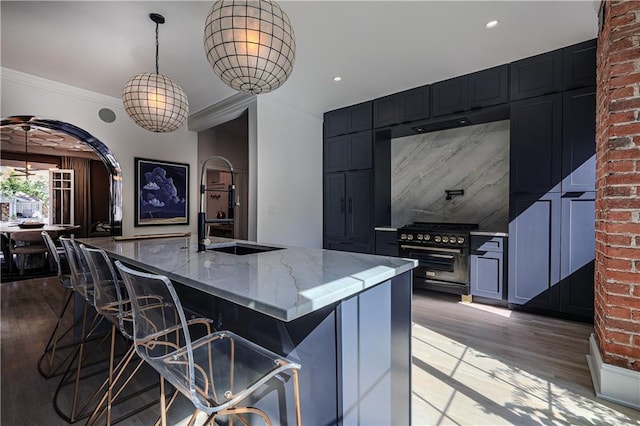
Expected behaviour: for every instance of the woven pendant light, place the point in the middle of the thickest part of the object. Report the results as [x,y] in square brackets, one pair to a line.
[153,101]
[250,44]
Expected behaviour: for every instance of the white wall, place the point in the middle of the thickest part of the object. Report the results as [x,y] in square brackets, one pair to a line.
[24,94]
[289,178]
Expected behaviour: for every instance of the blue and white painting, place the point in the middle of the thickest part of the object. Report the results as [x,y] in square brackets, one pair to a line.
[162,193]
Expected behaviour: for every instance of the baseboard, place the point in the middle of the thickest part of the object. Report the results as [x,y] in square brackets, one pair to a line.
[611,382]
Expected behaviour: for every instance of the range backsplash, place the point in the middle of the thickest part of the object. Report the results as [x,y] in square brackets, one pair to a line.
[472,158]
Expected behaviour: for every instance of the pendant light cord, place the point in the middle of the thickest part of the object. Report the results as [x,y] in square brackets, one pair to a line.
[157,49]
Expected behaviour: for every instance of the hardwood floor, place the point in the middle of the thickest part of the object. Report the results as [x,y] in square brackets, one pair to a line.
[472,365]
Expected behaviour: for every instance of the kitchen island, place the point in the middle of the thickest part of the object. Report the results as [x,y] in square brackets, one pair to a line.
[346,317]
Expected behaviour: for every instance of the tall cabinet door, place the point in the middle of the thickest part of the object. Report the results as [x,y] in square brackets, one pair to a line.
[579,140]
[534,250]
[578,253]
[536,138]
[334,205]
[359,205]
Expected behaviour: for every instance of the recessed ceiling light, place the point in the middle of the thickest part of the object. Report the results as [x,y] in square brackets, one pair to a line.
[491,24]
[337,78]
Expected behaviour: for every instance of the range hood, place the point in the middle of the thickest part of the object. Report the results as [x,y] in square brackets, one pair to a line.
[442,125]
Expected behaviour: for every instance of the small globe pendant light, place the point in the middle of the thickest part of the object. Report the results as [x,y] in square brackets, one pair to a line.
[250,44]
[154,101]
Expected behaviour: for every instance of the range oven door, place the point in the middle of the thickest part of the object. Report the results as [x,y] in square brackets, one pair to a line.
[439,268]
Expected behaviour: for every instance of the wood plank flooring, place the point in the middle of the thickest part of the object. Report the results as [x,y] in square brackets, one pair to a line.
[472,365]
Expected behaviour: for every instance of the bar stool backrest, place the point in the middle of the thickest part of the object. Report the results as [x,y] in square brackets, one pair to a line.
[53,251]
[156,308]
[159,324]
[80,274]
[107,294]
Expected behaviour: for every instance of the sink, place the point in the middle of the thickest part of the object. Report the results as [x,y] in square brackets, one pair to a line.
[240,249]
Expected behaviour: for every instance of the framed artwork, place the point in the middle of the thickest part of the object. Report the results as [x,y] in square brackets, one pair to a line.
[162,192]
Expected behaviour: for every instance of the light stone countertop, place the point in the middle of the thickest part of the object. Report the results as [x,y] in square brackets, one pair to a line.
[489,234]
[285,284]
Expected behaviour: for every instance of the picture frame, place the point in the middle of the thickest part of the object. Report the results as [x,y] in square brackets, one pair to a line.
[162,192]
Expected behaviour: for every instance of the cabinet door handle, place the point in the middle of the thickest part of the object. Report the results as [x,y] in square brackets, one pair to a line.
[350,204]
[574,194]
[342,204]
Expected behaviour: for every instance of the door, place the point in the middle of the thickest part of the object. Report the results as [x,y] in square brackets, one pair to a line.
[334,205]
[534,250]
[579,140]
[536,138]
[578,253]
[359,205]
[61,198]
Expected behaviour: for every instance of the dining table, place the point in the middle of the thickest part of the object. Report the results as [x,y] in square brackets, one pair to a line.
[10,229]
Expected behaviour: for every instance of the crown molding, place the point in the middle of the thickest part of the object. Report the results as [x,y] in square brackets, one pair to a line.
[226,110]
[59,88]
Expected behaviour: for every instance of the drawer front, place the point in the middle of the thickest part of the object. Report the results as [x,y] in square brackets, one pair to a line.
[482,243]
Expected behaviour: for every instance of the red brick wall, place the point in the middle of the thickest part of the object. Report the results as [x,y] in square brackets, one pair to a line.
[617,280]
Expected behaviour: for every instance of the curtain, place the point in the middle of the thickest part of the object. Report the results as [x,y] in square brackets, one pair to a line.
[82,185]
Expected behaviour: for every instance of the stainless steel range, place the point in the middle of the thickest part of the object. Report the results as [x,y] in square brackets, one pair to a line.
[442,251]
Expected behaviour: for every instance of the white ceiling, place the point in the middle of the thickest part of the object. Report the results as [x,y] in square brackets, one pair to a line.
[378,47]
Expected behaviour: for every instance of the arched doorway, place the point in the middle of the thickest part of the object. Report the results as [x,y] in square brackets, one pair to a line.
[101,150]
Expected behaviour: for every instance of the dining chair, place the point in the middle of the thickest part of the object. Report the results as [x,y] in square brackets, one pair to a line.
[54,345]
[216,370]
[25,244]
[112,302]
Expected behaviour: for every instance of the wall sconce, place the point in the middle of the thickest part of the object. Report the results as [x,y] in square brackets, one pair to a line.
[451,192]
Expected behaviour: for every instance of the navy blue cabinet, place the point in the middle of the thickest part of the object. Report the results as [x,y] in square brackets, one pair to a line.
[579,140]
[536,144]
[387,243]
[537,75]
[488,87]
[347,209]
[534,251]
[351,119]
[487,270]
[402,107]
[552,207]
[472,91]
[577,253]
[449,96]
[348,152]
[579,63]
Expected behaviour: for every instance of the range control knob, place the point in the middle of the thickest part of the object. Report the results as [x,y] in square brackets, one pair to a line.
[452,239]
[460,240]
[403,236]
[410,237]
[437,238]
[445,239]
[427,237]
[420,237]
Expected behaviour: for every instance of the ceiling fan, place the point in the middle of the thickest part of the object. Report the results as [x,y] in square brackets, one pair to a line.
[24,171]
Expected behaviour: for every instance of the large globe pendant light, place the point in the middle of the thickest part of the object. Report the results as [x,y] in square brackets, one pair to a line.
[154,101]
[250,44]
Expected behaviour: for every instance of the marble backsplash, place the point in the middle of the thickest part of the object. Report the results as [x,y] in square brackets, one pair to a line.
[472,158]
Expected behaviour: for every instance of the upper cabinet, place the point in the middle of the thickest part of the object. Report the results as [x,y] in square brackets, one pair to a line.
[537,75]
[535,148]
[347,120]
[449,96]
[568,68]
[580,65]
[410,105]
[488,87]
[579,140]
[480,89]
[348,152]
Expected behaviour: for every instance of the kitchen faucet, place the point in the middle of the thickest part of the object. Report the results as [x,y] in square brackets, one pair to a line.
[202,220]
